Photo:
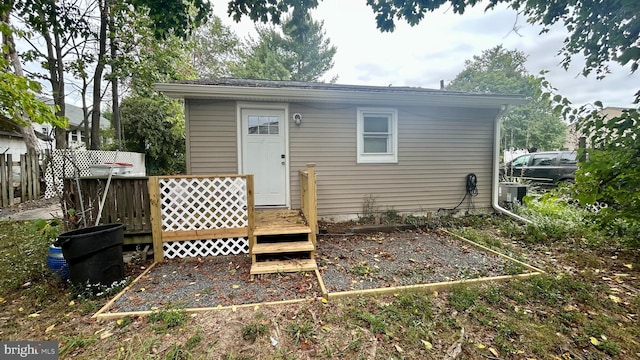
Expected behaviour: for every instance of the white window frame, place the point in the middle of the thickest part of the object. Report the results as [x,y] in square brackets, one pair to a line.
[388,157]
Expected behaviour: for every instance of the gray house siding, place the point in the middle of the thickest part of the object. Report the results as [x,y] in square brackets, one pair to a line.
[437,148]
[211,137]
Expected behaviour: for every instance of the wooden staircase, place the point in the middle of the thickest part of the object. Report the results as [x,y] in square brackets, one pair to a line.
[282,241]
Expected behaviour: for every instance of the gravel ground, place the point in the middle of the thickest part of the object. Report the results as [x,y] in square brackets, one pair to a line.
[211,282]
[359,262]
[346,263]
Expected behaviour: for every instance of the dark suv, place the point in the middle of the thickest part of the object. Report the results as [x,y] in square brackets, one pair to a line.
[544,168]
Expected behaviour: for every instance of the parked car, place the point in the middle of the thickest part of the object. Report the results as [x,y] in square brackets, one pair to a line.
[543,168]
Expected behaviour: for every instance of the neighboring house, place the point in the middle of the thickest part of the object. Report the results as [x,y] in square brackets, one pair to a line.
[574,135]
[11,141]
[75,132]
[409,149]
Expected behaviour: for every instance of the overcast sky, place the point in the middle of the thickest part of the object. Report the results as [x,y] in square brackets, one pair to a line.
[437,48]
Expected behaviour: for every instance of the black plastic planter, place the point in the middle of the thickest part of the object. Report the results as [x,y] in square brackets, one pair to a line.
[94,254]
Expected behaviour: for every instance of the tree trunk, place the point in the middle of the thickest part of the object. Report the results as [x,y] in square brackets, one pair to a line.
[28,134]
[97,77]
[56,69]
[115,94]
[59,94]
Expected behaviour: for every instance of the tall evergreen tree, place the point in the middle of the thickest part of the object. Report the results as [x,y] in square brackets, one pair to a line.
[299,52]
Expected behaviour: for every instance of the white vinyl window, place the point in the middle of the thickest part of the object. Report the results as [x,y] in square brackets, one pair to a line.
[377,140]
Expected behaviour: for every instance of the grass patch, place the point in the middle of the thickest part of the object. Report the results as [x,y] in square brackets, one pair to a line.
[166,319]
[463,297]
[251,332]
[23,255]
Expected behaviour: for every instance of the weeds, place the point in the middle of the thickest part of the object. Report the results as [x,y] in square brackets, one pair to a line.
[76,342]
[362,269]
[301,332]
[251,332]
[178,352]
[167,319]
[369,209]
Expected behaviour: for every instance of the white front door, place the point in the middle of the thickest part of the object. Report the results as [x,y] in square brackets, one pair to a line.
[264,154]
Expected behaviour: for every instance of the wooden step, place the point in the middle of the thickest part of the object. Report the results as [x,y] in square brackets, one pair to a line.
[269,267]
[281,229]
[282,247]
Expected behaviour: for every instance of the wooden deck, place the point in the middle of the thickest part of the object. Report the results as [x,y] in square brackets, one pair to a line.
[285,238]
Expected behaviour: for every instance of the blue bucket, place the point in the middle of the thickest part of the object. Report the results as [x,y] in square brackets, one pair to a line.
[56,262]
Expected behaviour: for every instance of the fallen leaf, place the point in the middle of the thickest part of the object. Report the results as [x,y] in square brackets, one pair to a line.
[20,309]
[71,303]
[480,346]
[614,298]
[324,301]
[256,307]
[326,328]
[119,322]
[494,352]
[595,341]
[427,345]
[630,266]
[142,289]
[570,308]
[50,328]
[236,286]
[398,348]
[2,300]
[33,315]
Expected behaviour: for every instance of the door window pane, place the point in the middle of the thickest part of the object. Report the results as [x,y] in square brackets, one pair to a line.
[254,122]
[264,125]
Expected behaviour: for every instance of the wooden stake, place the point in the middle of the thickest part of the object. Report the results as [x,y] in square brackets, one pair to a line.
[156,218]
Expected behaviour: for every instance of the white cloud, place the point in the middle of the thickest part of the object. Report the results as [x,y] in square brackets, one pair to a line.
[436,49]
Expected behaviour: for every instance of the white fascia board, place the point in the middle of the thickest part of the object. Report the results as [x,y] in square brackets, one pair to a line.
[247,93]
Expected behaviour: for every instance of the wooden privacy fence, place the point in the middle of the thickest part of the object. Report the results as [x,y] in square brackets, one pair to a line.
[29,178]
[201,215]
[127,202]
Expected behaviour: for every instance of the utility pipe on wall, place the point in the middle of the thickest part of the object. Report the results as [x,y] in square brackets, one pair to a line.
[496,169]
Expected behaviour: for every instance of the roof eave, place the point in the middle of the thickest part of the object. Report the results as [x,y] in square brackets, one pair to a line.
[245,93]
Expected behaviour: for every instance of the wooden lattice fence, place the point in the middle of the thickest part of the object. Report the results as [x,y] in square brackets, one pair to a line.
[201,215]
[68,163]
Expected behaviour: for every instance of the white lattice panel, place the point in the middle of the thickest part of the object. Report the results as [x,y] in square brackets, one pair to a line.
[203,203]
[197,248]
[64,163]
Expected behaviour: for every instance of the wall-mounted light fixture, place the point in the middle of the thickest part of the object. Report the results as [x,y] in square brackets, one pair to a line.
[297,118]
